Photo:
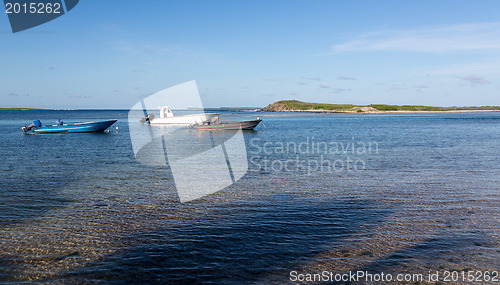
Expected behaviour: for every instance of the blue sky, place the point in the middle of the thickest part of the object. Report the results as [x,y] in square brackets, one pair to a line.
[109,54]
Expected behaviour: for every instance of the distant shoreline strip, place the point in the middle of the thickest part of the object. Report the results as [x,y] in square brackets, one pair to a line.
[380,112]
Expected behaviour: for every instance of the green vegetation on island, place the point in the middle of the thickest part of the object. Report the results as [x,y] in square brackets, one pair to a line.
[298,106]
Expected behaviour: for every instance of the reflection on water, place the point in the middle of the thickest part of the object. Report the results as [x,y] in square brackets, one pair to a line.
[80,208]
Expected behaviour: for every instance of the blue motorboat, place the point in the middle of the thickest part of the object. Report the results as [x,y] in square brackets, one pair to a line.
[60,127]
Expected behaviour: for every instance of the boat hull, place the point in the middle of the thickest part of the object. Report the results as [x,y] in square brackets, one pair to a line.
[243,125]
[77,128]
[184,120]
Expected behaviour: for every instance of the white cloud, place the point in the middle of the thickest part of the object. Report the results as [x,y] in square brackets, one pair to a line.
[345,78]
[339,90]
[17,95]
[271,79]
[474,80]
[78,95]
[421,86]
[464,69]
[474,36]
[316,78]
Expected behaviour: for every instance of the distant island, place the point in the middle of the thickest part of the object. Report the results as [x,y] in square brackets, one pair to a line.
[21,109]
[222,108]
[298,106]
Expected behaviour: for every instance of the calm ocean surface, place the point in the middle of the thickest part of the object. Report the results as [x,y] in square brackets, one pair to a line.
[405,193]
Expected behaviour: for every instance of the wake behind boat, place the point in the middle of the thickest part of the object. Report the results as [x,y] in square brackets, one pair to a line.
[60,127]
[167,117]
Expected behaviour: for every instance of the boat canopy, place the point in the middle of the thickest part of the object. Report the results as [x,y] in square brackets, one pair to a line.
[165,112]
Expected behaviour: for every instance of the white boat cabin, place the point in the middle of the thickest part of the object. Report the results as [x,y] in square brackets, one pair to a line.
[165,112]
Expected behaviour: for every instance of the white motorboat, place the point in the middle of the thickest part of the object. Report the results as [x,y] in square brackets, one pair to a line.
[167,117]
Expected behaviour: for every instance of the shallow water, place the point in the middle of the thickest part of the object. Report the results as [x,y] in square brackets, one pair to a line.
[425,197]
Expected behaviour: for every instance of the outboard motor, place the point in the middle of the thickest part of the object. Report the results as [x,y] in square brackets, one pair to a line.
[148,118]
[36,124]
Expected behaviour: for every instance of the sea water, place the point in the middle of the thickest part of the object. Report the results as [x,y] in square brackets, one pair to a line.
[336,193]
